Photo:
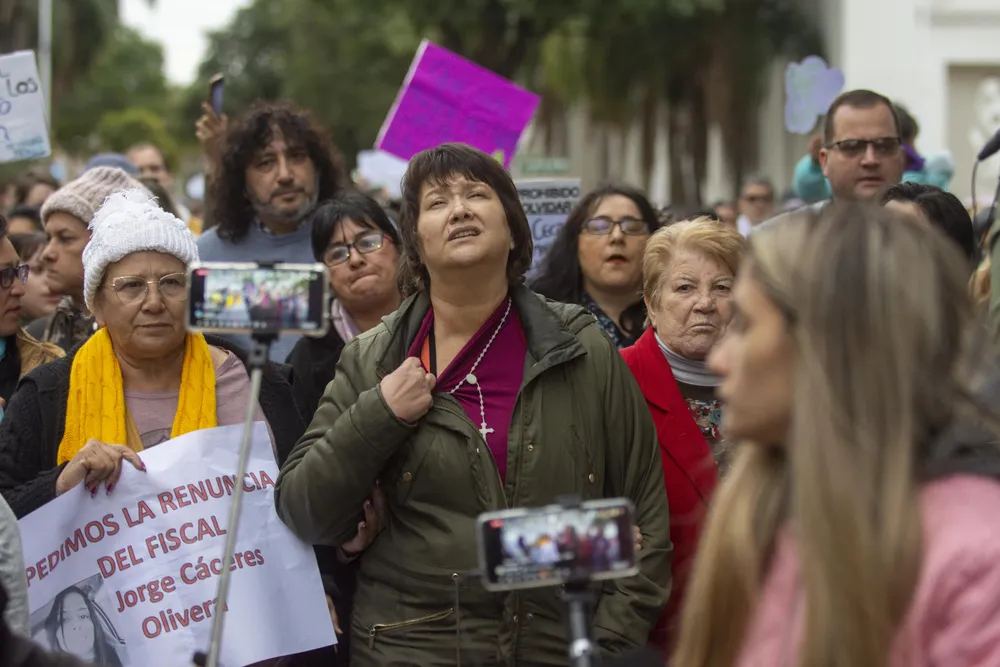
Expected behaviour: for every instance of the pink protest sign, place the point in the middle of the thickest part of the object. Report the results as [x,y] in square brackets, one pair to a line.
[448,98]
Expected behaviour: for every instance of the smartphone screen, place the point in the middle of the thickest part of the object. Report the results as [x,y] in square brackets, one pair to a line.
[215,87]
[549,546]
[248,298]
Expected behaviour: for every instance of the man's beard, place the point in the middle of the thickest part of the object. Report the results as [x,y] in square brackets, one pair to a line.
[268,212]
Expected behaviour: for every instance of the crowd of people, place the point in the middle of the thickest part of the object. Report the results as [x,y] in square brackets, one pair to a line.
[799,405]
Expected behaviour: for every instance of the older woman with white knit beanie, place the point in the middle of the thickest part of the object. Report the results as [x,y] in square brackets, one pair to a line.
[164,381]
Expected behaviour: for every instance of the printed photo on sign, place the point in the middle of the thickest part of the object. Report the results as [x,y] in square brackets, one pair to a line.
[76,622]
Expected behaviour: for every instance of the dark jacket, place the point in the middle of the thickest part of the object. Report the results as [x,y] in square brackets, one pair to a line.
[23,355]
[689,471]
[17,651]
[580,427]
[67,327]
[314,362]
[35,420]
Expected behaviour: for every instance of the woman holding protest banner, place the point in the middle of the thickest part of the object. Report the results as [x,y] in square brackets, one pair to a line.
[475,395]
[596,260]
[58,431]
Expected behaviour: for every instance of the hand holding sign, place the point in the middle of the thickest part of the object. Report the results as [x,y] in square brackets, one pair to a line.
[97,462]
[810,88]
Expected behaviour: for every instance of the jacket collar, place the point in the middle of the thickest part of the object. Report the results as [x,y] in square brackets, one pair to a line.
[550,341]
[654,375]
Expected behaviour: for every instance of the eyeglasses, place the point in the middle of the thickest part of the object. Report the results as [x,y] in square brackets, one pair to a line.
[884,146]
[602,226]
[8,275]
[131,290]
[364,244]
[758,199]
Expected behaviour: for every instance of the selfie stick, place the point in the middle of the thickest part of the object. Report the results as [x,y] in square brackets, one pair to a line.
[259,354]
[583,652]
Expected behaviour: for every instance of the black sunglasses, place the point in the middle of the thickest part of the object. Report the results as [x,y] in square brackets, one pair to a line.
[884,146]
[7,275]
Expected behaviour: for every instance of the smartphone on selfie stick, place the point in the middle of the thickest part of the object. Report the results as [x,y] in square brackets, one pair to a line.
[263,300]
[570,544]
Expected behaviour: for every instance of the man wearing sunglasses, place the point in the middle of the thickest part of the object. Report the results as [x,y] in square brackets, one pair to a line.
[19,352]
[862,150]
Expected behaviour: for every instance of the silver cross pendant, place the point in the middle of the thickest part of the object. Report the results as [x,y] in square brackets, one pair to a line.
[484,431]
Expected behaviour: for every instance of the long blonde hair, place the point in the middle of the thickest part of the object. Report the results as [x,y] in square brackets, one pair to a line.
[878,310]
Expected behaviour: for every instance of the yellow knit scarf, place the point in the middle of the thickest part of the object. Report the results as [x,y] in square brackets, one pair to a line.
[96,405]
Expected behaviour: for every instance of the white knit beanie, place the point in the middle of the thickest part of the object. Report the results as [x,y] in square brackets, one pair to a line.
[128,222]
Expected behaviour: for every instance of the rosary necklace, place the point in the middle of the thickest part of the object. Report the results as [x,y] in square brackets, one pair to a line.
[471,378]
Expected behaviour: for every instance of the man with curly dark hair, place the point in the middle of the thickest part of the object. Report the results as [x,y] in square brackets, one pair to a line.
[276,164]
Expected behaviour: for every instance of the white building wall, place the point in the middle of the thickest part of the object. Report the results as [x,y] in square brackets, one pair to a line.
[904,49]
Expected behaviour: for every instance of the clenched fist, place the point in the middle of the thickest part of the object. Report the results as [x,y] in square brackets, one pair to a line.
[408,389]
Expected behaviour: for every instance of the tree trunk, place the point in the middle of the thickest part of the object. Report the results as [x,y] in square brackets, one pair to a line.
[677,153]
[647,147]
[698,132]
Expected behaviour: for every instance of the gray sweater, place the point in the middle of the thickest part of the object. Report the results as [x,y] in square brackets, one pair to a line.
[12,571]
[259,246]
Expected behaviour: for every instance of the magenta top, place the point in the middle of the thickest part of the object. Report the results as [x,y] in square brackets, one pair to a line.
[500,374]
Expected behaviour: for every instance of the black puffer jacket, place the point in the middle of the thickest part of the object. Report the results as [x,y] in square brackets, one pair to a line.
[35,420]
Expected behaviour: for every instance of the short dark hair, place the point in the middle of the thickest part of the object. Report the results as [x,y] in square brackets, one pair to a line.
[163,198]
[28,245]
[560,277]
[348,205]
[168,160]
[858,99]
[758,179]
[231,208]
[437,165]
[31,178]
[25,211]
[942,209]
[908,126]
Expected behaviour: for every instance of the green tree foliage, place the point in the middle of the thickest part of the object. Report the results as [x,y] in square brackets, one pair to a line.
[126,74]
[340,59]
[119,130]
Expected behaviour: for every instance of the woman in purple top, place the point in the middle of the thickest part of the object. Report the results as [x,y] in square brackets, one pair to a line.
[475,395]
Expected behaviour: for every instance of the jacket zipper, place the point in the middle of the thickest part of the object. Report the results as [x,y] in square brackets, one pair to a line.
[389,627]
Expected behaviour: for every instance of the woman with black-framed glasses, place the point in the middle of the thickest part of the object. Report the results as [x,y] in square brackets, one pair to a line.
[19,352]
[353,236]
[596,260]
[355,239]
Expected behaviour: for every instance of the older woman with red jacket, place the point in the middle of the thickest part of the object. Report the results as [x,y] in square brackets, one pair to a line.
[688,270]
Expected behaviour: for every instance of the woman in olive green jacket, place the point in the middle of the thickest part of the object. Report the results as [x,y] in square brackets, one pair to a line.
[476,395]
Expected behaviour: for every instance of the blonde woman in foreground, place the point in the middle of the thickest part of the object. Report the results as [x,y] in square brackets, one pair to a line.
[858,527]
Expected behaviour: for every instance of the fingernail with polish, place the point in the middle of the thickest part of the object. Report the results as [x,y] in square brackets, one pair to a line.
[110,486]
[363,525]
[368,504]
[93,493]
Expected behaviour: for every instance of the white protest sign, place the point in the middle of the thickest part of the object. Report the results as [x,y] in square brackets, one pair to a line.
[382,170]
[547,203]
[130,579]
[23,133]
